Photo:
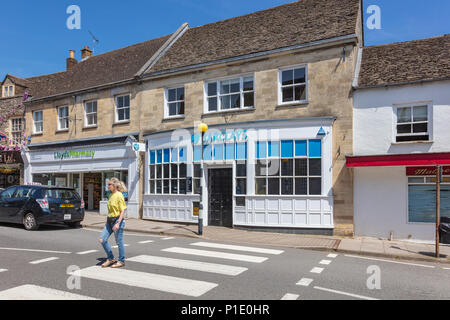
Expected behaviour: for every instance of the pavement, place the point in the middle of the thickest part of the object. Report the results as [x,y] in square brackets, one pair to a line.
[357,246]
[59,263]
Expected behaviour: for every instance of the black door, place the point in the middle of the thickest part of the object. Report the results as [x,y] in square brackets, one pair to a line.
[6,204]
[221,197]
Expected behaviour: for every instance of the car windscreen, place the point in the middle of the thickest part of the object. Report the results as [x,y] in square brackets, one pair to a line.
[62,194]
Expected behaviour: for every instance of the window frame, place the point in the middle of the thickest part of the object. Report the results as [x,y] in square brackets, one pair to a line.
[40,121]
[294,176]
[425,183]
[429,122]
[59,118]
[86,114]
[116,106]
[167,102]
[280,84]
[218,94]
[19,131]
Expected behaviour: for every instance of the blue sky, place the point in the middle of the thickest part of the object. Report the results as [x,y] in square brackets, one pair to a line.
[35,39]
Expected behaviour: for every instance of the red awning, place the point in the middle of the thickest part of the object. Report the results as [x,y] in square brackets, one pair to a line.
[391,160]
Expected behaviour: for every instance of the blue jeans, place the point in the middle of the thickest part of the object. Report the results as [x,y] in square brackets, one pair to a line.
[106,234]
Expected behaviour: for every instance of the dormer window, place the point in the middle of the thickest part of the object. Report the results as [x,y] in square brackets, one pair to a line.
[8,91]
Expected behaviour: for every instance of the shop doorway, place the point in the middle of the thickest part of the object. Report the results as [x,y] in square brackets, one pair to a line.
[221,197]
[92,191]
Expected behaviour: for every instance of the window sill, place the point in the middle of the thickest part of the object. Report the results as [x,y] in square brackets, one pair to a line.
[411,142]
[120,123]
[61,131]
[174,118]
[37,134]
[218,113]
[90,127]
[292,104]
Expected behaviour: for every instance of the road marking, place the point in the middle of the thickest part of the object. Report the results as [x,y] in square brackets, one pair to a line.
[3,270]
[116,247]
[332,255]
[44,260]
[31,292]
[446,268]
[317,270]
[305,282]
[168,238]
[290,296]
[187,287]
[190,265]
[398,262]
[325,262]
[237,248]
[216,254]
[33,250]
[125,233]
[146,241]
[345,293]
[87,252]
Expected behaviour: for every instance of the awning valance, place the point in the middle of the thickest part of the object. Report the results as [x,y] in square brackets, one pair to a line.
[395,160]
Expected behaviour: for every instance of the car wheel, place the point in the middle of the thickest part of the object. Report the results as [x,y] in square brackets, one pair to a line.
[74,225]
[29,222]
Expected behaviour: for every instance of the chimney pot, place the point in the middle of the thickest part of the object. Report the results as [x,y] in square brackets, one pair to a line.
[86,53]
[71,61]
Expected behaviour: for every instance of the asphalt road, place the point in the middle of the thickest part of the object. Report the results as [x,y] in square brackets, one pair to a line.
[34,265]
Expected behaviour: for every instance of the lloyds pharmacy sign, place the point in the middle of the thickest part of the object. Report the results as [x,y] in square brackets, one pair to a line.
[88,154]
[221,136]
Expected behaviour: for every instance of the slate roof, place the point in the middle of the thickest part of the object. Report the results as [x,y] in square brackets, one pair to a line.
[291,24]
[102,69]
[405,62]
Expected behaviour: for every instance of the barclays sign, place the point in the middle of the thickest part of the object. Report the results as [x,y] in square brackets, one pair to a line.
[221,137]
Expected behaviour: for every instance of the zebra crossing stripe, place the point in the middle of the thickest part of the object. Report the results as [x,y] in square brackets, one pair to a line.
[31,292]
[87,252]
[216,254]
[146,241]
[182,286]
[237,248]
[290,296]
[3,270]
[190,265]
[44,260]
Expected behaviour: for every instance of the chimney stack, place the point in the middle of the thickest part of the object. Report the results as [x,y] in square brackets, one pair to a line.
[86,53]
[71,61]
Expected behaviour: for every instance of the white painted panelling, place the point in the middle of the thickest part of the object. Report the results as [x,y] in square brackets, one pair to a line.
[187,287]
[190,265]
[301,219]
[273,218]
[286,205]
[301,205]
[314,219]
[315,204]
[260,218]
[273,204]
[259,204]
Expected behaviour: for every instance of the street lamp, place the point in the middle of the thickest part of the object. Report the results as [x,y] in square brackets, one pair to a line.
[203,128]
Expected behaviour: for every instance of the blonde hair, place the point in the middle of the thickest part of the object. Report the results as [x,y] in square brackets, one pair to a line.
[119,185]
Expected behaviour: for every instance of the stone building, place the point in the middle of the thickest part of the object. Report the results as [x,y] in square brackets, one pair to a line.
[275,88]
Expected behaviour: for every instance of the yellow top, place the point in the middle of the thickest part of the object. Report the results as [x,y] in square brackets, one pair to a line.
[116,205]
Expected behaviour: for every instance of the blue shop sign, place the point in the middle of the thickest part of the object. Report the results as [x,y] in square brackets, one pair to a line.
[223,136]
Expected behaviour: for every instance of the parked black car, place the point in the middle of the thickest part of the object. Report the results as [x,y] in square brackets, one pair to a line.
[36,205]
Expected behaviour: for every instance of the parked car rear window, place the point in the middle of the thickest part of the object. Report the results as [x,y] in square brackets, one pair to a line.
[62,194]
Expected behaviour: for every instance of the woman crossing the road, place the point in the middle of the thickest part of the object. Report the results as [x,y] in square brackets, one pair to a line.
[115,224]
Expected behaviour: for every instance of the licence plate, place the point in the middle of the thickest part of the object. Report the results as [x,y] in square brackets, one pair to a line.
[67,217]
[67,206]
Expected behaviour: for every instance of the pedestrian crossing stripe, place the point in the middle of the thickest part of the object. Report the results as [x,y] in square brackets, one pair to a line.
[3,270]
[190,265]
[216,254]
[44,260]
[237,248]
[181,286]
[290,296]
[32,292]
[146,241]
[87,252]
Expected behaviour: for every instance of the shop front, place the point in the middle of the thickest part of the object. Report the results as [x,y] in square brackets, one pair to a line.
[11,169]
[260,174]
[395,195]
[87,165]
